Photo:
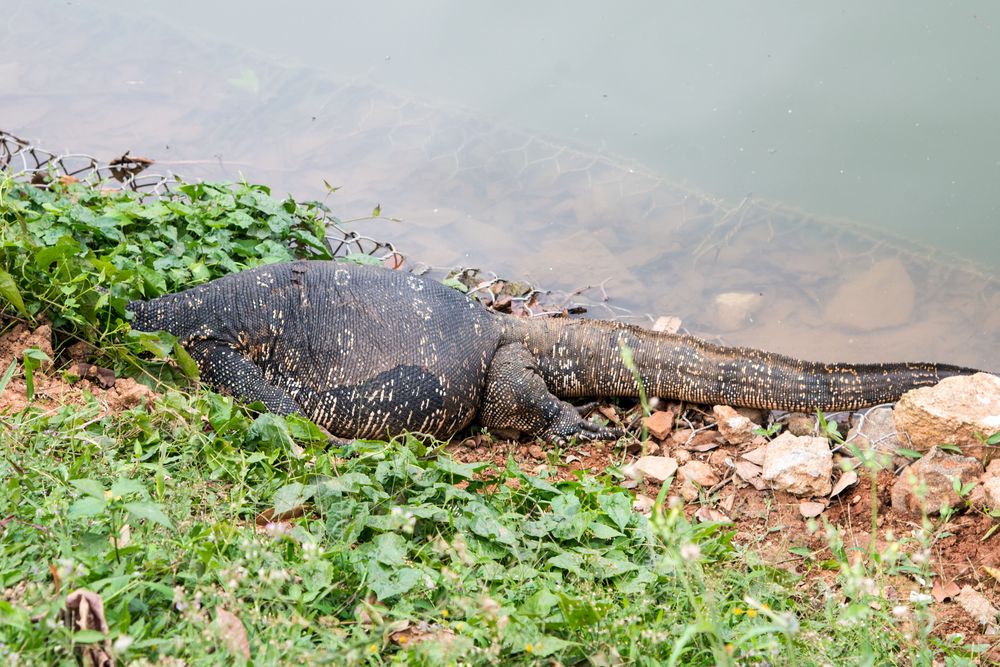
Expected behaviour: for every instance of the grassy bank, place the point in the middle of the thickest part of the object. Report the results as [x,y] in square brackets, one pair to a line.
[211,533]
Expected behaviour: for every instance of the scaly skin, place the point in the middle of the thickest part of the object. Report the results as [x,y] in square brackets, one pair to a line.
[368,352]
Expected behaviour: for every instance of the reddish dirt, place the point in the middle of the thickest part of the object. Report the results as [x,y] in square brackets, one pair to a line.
[770,522]
[52,387]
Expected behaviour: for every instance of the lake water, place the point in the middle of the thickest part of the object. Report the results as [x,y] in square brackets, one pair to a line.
[820,180]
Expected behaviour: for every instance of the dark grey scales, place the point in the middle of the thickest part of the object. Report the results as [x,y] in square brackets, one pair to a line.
[369,352]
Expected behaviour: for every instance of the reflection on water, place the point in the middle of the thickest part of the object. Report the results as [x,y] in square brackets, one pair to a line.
[475,192]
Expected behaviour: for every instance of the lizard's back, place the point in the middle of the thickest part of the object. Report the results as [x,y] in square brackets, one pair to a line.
[362,350]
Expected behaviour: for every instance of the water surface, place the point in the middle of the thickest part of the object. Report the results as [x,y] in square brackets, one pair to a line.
[645,151]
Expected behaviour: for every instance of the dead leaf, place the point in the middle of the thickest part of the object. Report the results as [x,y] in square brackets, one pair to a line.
[943,592]
[84,610]
[849,478]
[810,509]
[232,633]
[268,515]
[709,515]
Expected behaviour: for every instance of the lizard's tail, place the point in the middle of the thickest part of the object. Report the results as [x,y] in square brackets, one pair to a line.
[584,358]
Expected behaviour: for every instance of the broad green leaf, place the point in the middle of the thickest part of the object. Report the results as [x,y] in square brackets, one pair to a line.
[149,511]
[547,645]
[187,364]
[86,507]
[8,374]
[389,549]
[88,637]
[603,532]
[618,507]
[9,291]
[91,487]
[390,582]
[126,487]
[291,496]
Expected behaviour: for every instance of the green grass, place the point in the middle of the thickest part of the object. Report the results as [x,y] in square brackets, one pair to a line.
[157,509]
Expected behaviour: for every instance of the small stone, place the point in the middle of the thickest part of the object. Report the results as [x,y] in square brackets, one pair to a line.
[876,430]
[800,465]
[810,509]
[682,456]
[689,491]
[747,470]
[536,452]
[700,473]
[883,296]
[643,504]
[991,492]
[848,478]
[957,411]
[681,436]
[659,424]
[667,324]
[734,310]
[734,427]
[756,455]
[704,441]
[711,515]
[932,478]
[800,424]
[659,468]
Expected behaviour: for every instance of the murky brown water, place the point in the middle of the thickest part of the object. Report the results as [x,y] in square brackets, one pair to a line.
[476,192]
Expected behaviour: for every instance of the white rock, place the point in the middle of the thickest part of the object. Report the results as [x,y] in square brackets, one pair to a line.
[801,465]
[659,468]
[734,310]
[957,411]
[882,296]
[700,473]
[734,427]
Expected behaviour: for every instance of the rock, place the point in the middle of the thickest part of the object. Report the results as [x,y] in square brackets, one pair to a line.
[801,424]
[659,424]
[682,456]
[659,468]
[536,452]
[756,455]
[667,324]
[957,410]
[876,429]
[710,515]
[979,608]
[991,493]
[747,470]
[681,436]
[811,510]
[704,441]
[700,473]
[689,491]
[801,465]
[883,296]
[734,427]
[734,310]
[848,478]
[643,504]
[932,478]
